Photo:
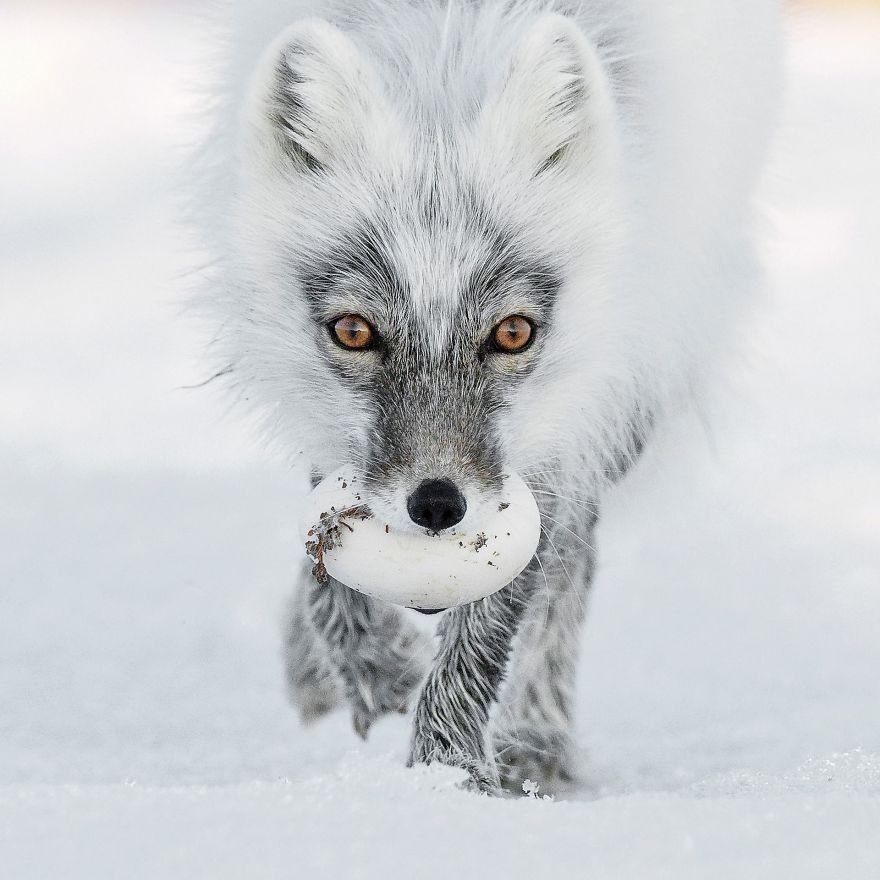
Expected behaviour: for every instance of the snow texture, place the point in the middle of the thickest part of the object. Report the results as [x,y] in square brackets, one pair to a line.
[730,699]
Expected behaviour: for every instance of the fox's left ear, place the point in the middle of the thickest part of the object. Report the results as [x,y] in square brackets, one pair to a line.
[554,108]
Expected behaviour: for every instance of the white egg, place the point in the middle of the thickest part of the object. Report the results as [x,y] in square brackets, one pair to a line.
[417,569]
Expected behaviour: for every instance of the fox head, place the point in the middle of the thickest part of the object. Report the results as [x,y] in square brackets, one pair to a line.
[423,252]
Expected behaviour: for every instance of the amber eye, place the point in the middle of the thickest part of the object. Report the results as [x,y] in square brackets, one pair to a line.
[353,331]
[513,334]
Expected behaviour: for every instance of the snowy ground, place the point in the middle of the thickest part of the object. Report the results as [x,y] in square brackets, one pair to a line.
[730,706]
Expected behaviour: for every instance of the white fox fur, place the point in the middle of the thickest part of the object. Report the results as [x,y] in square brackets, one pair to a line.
[616,141]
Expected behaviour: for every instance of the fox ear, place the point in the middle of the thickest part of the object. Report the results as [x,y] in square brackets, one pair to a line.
[316,99]
[555,105]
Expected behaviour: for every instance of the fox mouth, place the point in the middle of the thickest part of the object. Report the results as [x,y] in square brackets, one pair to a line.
[434,507]
[349,539]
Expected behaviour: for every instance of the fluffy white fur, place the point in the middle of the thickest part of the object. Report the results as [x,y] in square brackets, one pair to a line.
[651,207]
[616,141]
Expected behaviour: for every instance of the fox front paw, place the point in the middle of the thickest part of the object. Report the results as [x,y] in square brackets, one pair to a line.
[545,758]
[312,687]
[313,699]
[377,697]
[385,685]
[482,776]
[458,749]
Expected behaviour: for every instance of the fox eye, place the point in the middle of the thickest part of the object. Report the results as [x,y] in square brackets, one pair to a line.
[513,335]
[353,332]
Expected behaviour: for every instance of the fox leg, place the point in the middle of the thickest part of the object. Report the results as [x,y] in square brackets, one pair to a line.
[342,643]
[451,722]
[313,685]
[537,618]
[533,726]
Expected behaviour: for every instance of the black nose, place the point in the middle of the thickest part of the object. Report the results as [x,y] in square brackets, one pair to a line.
[436,505]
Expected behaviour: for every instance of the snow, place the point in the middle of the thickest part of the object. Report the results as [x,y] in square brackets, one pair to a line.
[730,700]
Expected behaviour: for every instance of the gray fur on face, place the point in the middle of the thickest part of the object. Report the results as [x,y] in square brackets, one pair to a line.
[433,386]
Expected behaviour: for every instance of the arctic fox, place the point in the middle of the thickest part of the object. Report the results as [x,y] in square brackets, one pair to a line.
[457,237]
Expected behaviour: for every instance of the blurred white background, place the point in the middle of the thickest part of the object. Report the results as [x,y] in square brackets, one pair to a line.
[730,707]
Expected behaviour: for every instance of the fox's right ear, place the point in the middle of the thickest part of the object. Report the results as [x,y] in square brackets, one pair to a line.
[315,99]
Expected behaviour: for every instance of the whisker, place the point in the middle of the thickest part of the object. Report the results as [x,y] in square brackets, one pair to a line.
[546,588]
[586,544]
[583,502]
[565,570]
